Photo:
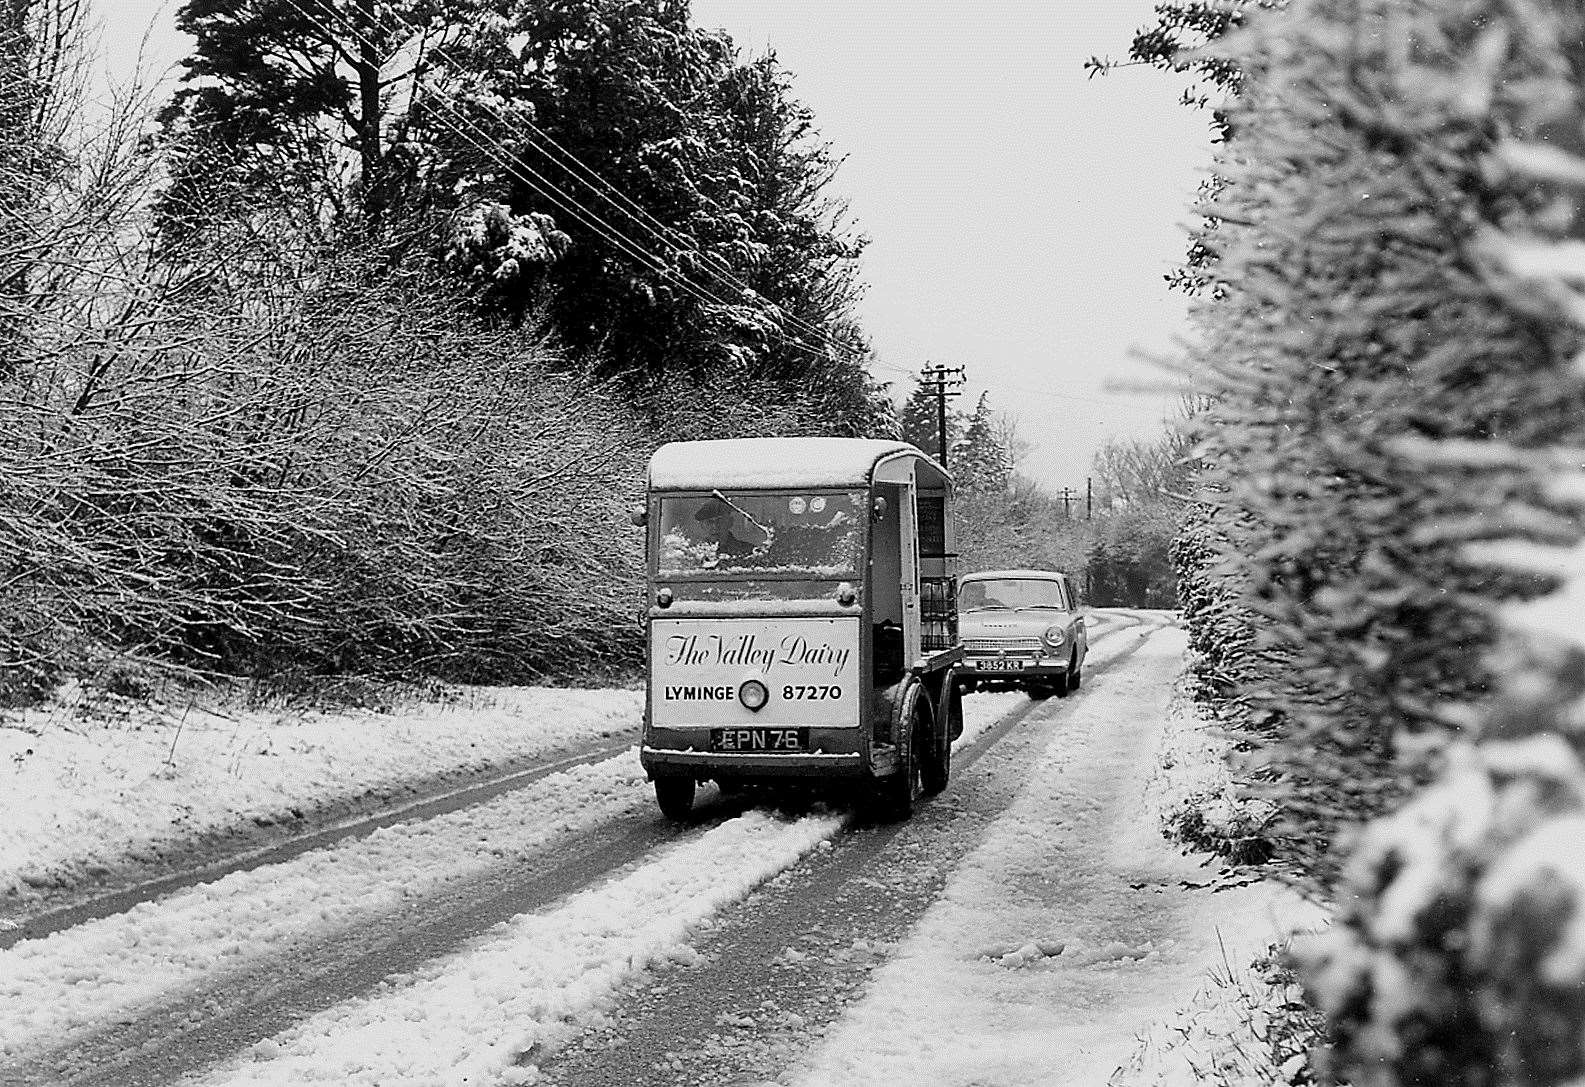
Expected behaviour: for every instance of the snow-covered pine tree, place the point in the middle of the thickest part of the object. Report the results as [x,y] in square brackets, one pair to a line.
[306,111]
[702,247]
[919,421]
[980,461]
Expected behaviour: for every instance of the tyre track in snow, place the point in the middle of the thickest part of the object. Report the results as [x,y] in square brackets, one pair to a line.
[228,1010]
[435,797]
[206,863]
[1071,940]
[783,965]
[235,1008]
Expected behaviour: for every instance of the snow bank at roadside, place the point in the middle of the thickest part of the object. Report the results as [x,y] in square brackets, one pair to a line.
[1193,792]
[79,793]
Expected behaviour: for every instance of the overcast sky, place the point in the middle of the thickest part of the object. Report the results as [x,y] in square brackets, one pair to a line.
[1020,215]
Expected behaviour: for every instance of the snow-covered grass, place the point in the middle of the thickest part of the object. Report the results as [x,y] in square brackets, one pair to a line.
[1248,1027]
[1195,794]
[85,789]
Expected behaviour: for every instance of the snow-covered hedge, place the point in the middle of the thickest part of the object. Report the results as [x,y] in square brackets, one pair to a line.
[1353,309]
[1397,343]
[272,454]
[1460,954]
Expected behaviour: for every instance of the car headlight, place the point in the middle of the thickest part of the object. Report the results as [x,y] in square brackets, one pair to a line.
[1054,636]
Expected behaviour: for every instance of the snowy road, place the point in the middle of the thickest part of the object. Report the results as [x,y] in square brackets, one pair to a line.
[474,945]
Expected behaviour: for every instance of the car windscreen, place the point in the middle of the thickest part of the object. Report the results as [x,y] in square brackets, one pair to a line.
[811,535]
[1020,592]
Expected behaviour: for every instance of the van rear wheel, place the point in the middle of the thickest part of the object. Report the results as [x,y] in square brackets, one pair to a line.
[936,746]
[675,797]
[903,788]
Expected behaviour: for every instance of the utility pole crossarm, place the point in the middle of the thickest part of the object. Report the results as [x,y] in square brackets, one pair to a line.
[942,382]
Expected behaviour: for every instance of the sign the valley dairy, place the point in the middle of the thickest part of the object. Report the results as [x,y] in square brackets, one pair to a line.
[809,666]
[749,651]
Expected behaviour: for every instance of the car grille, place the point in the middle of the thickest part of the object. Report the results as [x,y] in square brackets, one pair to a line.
[991,645]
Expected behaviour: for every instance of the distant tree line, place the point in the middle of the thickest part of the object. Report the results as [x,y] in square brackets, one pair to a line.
[1381,570]
[1115,540]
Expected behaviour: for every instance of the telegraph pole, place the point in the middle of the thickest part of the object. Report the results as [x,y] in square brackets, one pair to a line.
[942,382]
[1089,498]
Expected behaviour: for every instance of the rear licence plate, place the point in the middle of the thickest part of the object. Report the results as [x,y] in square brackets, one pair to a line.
[759,739]
[1000,665]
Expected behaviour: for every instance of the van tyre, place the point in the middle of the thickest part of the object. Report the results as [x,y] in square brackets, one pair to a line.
[912,732]
[675,797]
[951,719]
[1075,675]
[937,766]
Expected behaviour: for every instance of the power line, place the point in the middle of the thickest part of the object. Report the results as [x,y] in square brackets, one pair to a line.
[537,181]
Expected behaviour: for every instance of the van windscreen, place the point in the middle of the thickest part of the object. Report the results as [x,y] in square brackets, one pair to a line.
[811,535]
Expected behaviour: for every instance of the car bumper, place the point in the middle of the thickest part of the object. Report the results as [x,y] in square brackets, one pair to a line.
[990,669]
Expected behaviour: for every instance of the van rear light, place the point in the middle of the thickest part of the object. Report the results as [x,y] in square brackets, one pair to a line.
[753,694]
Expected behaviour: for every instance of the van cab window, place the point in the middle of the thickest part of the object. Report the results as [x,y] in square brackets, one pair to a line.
[809,534]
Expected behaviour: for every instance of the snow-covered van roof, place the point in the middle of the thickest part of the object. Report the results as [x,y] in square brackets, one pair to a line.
[756,463]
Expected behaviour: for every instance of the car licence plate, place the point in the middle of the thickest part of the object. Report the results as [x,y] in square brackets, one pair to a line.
[759,739]
[1000,664]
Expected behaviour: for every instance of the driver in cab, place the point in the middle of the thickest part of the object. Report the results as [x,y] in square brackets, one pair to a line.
[715,523]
